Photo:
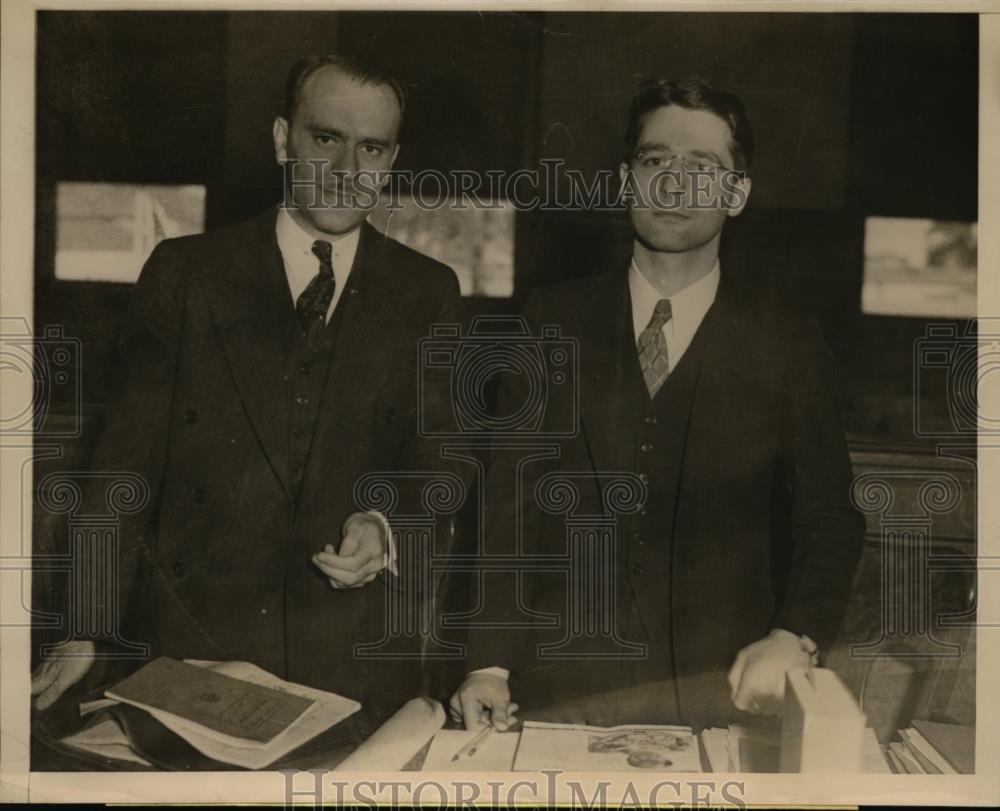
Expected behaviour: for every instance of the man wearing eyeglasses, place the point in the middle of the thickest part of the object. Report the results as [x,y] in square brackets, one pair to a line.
[718,398]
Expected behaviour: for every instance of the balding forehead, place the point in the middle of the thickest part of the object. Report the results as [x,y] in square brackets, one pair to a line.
[331,81]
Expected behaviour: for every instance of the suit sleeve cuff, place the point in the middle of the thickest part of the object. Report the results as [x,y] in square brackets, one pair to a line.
[389,559]
[808,646]
[502,672]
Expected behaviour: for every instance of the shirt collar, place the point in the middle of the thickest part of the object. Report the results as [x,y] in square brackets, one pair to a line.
[687,306]
[295,244]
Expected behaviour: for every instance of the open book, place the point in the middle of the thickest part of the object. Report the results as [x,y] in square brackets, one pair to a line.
[230,710]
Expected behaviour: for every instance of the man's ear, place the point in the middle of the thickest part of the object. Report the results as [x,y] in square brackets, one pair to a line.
[739,195]
[280,133]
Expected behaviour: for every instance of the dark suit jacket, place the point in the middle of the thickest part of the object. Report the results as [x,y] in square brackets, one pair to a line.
[218,564]
[764,534]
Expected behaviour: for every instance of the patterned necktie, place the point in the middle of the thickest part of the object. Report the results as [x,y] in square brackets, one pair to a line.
[315,300]
[653,348]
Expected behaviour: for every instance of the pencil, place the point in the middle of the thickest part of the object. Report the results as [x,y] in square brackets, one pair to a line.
[470,748]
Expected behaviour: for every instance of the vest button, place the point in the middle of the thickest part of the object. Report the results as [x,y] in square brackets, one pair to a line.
[178,570]
[646,447]
[637,569]
[302,400]
[650,420]
[644,478]
[191,416]
[305,369]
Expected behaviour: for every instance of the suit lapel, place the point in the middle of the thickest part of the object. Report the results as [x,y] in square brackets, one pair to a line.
[251,306]
[725,364]
[366,316]
[605,408]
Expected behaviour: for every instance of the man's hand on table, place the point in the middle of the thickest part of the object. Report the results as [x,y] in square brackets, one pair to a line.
[68,664]
[757,677]
[363,553]
[483,698]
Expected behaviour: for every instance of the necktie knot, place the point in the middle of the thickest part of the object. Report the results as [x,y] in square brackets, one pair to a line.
[661,314]
[323,251]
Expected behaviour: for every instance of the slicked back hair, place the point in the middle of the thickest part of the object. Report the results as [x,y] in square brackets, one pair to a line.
[359,67]
[691,94]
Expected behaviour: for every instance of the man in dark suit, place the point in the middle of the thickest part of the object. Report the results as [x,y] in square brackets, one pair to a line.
[266,367]
[717,399]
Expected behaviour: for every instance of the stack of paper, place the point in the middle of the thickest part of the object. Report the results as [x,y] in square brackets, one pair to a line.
[822,729]
[232,712]
[739,748]
[717,747]
[107,740]
[933,748]
[750,749]
[822,726]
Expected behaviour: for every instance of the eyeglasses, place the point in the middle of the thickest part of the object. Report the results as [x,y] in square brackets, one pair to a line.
[661,161]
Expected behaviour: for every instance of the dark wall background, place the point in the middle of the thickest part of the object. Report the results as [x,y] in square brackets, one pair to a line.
[854,115]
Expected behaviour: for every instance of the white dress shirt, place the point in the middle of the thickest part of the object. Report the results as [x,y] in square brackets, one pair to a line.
[301,264]
[687,308]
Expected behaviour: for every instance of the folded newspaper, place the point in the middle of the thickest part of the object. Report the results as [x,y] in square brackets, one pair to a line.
[232,712]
